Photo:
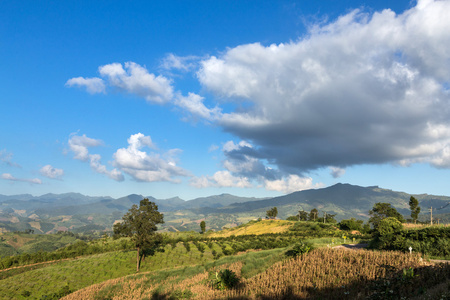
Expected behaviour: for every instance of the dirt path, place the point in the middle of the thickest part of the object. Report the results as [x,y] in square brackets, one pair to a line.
[351,246]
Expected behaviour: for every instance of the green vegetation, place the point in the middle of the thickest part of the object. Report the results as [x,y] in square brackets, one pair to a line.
[139,223]
[194,257]
[13,243]
[272,213]
[203,226]
[433,241]
[415,208]
[381,211]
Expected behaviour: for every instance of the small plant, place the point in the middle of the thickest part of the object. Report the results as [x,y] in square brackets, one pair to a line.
[181,294]
[408,274]
[299,249]
[225,279]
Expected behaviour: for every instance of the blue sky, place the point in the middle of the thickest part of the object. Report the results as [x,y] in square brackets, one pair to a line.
[195,98]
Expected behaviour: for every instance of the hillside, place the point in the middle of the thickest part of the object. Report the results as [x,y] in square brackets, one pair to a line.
[189,262]
[79,213]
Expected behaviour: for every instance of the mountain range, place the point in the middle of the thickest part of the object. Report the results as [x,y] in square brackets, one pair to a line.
[80,213]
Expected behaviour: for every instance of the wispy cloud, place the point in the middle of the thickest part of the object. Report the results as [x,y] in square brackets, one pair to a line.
[221,179]
[6,158]
[182,63]
[80,145]
[8,176]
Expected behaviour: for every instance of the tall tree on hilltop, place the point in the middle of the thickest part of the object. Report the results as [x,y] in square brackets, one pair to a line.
[272,213]
[139,223]
[203,226]
[313,214]
[415,208]
[302,215]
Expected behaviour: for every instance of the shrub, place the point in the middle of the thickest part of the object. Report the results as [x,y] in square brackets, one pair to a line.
[299,249]
[225,279]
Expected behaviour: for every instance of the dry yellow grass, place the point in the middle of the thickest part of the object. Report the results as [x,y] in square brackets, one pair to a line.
[420,226]
[257,228]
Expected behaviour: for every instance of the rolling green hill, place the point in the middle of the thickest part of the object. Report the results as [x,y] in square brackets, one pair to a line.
[76,212]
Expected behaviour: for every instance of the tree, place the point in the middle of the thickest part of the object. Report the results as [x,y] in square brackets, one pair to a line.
[272,213]
[139,223]
[415,208]
[351,224]
[302,215]
[313,214]
[387,234]
[381,211]
[203,226]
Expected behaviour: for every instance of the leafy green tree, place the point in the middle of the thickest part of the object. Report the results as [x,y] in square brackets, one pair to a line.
[388,234]
[272,213]
[381,211]
[203,226]
[351,224]
[415,208]
[303,215]
[139,223]
[313,215]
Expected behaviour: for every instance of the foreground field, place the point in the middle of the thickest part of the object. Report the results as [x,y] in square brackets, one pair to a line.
[322,274]
[105,268]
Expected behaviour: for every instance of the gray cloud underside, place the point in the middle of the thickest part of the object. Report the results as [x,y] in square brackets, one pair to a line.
[366,89]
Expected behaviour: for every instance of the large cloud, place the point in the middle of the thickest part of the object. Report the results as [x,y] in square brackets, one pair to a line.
[148,167]
[365,89]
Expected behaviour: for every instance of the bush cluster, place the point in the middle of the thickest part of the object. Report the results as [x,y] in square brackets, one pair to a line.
[434,241]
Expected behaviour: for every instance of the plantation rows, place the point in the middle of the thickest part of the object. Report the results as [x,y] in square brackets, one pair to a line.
[227,245]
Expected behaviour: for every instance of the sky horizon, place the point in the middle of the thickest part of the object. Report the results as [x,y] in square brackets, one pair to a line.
[199,98]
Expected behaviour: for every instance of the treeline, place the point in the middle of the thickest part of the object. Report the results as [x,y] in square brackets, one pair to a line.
[79,248]
[434,241]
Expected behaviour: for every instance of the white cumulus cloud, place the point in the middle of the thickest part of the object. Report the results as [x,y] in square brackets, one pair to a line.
[135,79]
[93,85]
[290,184]
[148,166]
[51,172]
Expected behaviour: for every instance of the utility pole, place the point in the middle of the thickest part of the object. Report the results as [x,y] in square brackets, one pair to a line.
[431,210]
[324,216]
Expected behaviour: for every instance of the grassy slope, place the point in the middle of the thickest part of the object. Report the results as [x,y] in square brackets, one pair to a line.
[257,228]
[14,243]
[174,262]
[322,274]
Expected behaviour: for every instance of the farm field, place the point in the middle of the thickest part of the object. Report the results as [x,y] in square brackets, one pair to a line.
[321,274]
[183,270]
